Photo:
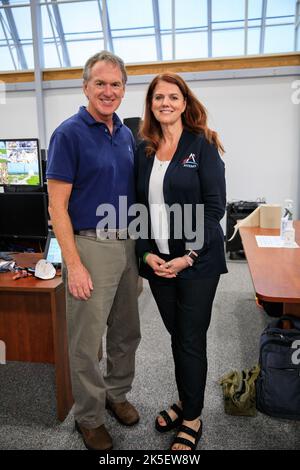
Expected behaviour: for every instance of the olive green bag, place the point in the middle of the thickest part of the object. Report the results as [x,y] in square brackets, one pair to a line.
[239,391]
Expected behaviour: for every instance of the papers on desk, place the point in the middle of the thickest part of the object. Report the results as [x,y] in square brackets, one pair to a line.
[264,241]
[6,265]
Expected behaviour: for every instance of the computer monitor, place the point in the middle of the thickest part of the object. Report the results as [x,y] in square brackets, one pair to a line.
[23,215]
[20,164]
[52,251]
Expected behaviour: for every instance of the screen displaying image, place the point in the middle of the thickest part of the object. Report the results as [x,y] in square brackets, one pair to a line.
[54,252]
[19,162]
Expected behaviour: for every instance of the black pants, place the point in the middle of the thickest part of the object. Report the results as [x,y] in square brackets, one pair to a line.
[185,307]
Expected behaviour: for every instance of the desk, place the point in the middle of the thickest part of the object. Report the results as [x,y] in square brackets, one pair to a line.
[275,272]
[33,325]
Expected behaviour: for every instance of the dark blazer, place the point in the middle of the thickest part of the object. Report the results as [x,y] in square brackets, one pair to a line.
[195,175]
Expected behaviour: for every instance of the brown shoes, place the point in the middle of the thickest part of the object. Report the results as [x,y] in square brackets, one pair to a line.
[95,439]
[124,412]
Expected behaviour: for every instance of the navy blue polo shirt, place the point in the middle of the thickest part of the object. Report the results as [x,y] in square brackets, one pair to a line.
[99,165]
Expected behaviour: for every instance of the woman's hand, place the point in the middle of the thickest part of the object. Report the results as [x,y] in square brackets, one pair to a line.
[176,265]
[159,266]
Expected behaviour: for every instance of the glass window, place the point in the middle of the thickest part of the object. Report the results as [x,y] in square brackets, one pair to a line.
[254,8]
[132,29]
[51,55]
[229,24]
[79,52]
[283,20]
[253,41]
[139,49]
[120,33]
[130,13]
[165,14]
[14,2]
[2,36]
[191,45]
[228,10]
[6,62]
[46,25]
[280,7]
[228,43]
[166,45]
[190,13]
[279,39]
[28,52]
[22,19]
[81,16]
[254,22]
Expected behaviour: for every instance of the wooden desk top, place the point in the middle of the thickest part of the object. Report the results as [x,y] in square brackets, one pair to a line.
[28,283]
[275,272]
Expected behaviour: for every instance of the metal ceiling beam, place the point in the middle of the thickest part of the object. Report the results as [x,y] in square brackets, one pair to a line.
[209,28]
[52,26]
[156,18]
[15,35]
[246,27]
[61,34]
[263,27]
[297,23]
[35,10]
[173,30]
[107,36]
[7,41]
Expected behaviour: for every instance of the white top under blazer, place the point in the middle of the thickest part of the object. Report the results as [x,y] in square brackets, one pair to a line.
[158,212]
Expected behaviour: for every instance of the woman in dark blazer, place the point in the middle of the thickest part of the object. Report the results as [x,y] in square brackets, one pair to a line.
[182,256]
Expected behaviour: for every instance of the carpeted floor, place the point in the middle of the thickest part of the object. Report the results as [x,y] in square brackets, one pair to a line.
[27,395]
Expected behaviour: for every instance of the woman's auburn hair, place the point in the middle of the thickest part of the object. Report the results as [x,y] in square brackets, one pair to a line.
[194,118]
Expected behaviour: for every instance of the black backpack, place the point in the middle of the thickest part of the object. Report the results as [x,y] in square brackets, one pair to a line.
[278,383]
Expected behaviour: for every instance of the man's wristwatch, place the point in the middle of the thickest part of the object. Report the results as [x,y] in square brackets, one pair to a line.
[192,254]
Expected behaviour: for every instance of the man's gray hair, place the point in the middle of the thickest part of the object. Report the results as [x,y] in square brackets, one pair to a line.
[106,56]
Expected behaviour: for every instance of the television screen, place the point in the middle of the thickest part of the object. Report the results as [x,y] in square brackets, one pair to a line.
[23,215]
[52,251]
[20,162]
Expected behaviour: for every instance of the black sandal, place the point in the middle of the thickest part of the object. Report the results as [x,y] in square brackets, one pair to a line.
[186,442]
[170,424]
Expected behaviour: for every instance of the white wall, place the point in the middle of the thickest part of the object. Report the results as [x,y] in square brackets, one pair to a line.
[18,115]
[255,117]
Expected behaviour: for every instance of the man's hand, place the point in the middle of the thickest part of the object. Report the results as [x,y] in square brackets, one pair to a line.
[79,282]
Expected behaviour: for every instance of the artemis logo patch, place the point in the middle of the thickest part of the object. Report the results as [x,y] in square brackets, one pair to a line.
[190,161]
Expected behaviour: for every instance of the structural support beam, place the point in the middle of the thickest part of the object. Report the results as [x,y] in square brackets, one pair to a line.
[15,35]
[7,41]
[173,30]
[156,18]
[61,34]
[256,66]
[52,26]
[209,28]
[107,36]
[297,25]
[246,27]
[263,27]
[38,76]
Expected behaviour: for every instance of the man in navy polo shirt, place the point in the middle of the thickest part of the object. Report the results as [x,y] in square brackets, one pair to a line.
[90,162]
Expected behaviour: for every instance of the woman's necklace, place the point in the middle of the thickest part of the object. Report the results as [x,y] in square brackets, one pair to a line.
[162,163]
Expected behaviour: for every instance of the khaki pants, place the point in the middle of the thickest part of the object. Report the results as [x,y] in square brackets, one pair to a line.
[113,304]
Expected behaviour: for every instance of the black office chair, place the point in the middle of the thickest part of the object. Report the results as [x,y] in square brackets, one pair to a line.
[133,123]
